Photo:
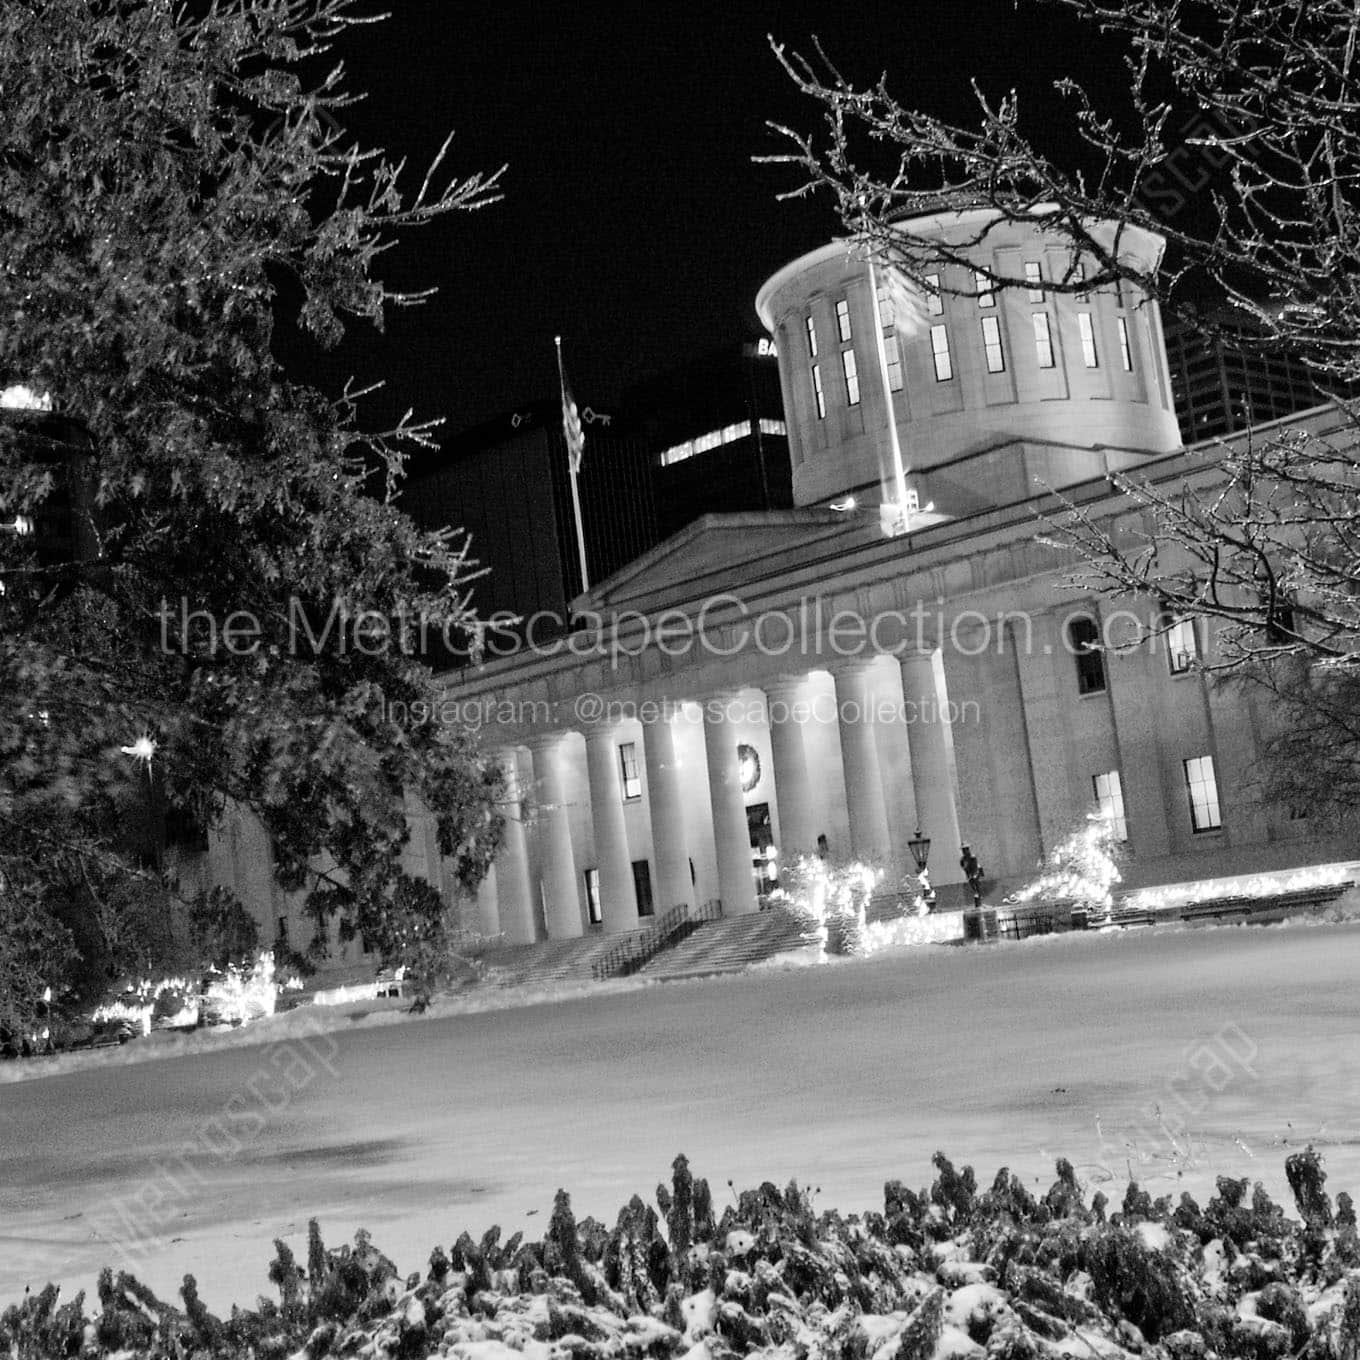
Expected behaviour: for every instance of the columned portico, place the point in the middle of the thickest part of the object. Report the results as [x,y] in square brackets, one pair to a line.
[557,860]
[618,899]
[787,706]
[932,761]
[855,713]
[512,887]
[736,884]
[667,814]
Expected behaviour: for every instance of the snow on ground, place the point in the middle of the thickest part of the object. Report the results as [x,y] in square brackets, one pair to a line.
[1174,1055]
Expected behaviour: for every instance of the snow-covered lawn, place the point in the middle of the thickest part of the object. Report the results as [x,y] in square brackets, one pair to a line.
[1180,1055]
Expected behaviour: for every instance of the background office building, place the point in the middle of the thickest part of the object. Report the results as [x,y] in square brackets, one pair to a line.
[715,434]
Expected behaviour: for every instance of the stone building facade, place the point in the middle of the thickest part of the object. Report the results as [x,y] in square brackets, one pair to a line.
[764,684]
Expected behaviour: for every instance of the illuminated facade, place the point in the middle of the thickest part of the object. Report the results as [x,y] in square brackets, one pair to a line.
[774,680]
[767,682]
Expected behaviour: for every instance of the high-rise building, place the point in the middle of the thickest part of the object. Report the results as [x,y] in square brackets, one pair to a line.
[506,484]
[1229,381]
[715,434]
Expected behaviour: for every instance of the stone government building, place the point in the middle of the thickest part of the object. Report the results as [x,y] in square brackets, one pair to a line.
[760,680]
[720,705]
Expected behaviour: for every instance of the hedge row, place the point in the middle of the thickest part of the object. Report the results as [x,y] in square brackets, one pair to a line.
[944,1272]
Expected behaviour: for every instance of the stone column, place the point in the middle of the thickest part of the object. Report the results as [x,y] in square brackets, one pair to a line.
[794,799]
[514,892]
[894,765]
[859,754]
[732,838]
[932,762]
[666,807]
[488,905]
[561,892]
[618,899]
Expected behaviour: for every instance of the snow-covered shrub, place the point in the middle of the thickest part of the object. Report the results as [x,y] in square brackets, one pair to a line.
[953,1270]
[830,897]
[1081,869]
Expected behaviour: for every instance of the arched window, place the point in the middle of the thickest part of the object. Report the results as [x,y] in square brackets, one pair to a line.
[1083,641]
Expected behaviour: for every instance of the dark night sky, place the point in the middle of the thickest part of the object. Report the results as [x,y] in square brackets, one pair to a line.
[633,220]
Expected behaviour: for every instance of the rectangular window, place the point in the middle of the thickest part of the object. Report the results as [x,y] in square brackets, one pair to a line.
[818,395]
[1125,353]
[628,768]
[1110,800]
[1043,342]
[1182,646]
[986,290]
[1202,787]
[592,877]
[939,348]
[934,302]
[1088,340]
[843,321]
[1083,641]
[893,355]
[812,337]
[642,886]
[991,344]
[1034,276]
[1079,276]
[887,313]
[851,371]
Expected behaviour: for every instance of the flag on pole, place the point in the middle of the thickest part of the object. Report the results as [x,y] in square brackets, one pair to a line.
[571,418]
[902,304]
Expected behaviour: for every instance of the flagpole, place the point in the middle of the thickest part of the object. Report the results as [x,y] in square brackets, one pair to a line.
[571,472]
[899,468]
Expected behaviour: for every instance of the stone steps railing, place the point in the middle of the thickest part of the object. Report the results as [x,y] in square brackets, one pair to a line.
[630,954]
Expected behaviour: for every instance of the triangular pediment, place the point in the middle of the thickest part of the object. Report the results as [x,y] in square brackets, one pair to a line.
[718,553]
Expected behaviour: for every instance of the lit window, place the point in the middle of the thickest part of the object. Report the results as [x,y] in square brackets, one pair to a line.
[1110,800]
[1202,786]
[714,439]
[1043,342]
[592,877]
[1088,340]
[934,302]
[1182,646]
[1079,276]
[1125,353]
[851,371]
[887,313]
[772,426]
[939,348]
[986,290]
[1034,276]
[1083,641]
[991,344]
[818,394]
[812,337]
[893,357]
[843,321]
[628,767]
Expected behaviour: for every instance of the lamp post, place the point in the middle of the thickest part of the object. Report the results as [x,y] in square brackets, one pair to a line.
[919,846]
[973,872]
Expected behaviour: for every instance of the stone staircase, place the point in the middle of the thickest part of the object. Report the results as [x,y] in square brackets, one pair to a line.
[549,961]
[726,944]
